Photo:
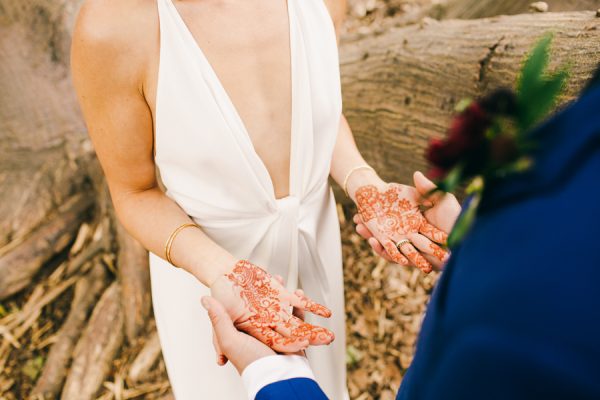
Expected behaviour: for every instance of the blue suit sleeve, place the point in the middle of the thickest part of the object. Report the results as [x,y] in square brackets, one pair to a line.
[488,365]
[292,389]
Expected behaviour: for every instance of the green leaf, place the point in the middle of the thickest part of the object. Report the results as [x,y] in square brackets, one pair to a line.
[452,180]
[546,97]
[534,67]
[538,90]
[33,367]
[465,222]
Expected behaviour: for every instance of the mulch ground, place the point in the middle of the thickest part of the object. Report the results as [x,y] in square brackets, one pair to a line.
[385,304]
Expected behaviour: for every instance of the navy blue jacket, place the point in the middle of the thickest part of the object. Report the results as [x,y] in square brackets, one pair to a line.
[516,313]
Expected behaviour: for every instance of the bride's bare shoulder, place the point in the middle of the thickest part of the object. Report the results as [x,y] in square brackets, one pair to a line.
[109,29]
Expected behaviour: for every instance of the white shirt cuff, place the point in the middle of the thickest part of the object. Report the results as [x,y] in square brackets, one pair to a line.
[271,369]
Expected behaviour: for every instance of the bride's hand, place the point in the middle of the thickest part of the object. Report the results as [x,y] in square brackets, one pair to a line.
[260,306]
[389,214]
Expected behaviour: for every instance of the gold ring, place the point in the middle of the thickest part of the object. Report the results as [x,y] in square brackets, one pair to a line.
[402,243]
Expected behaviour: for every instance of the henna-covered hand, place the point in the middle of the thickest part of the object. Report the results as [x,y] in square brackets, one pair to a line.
[260,306]
[391,214]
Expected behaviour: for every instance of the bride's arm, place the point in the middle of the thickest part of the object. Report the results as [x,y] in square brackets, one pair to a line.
[110,52]
[108,70]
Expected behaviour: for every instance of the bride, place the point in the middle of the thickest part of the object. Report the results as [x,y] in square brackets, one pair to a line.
[217,124]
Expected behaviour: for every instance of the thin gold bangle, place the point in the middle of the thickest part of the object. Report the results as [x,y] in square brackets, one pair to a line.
[353,170]
[172,237]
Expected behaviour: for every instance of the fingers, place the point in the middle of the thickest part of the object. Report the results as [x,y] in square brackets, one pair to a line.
[295,328]
[363,231]
[422,183]
[433,233]
[223,328]
[378,249]
[437,255]
[298,312]
[306,304]
[221,358]
[416,258]
[424,187]
[395,255]
[219,318]
[274,339]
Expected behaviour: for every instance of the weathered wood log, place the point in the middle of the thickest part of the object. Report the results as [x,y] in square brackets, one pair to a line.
[401,87]
[21,262]
[97,348]
[134,276]
[87,292]
[145,360]
[472,9]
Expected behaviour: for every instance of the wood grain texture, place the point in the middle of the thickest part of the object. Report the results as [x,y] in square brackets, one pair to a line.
[134,275]
[400,88]
[471,9]
[97,348]
[87,290]
[19,265]
[44,150]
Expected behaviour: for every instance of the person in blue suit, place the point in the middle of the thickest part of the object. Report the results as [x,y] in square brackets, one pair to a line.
[516,313]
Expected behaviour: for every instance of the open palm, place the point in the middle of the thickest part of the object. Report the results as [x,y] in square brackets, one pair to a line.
[259,305]
[391,214]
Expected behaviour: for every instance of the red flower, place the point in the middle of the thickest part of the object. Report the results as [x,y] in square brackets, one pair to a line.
[466,141]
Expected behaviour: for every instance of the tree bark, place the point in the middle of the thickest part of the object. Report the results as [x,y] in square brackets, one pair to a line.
[19,265]
[134,275]
[97,348]
[471,9]
[400,88]
[87,291]
[44,151]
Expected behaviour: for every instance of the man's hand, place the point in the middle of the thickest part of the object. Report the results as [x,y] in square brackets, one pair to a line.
[241,349]
[393,215]
[259,305]
[444,210]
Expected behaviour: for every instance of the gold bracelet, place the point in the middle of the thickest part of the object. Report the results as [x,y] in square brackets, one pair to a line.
[353,170]
[172,237]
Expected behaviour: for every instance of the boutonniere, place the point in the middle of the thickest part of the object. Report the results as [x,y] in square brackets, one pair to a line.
[489,138]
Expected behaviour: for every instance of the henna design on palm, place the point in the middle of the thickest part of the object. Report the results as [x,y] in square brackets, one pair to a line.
[393,215]
[267,311]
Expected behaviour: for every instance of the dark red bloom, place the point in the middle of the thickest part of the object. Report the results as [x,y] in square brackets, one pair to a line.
[465,142]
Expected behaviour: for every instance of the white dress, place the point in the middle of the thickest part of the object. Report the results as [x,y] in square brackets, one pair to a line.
[210,169]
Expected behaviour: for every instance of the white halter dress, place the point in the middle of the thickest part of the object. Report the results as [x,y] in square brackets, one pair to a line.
[209,167]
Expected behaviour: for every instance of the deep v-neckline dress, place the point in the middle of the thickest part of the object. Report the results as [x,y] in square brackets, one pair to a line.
[209,167]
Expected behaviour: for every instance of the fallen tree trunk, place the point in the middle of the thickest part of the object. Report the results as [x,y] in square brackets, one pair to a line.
[401,87]
[97,348]
[18,266]
[87,291]
[472,9]
[134,276]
